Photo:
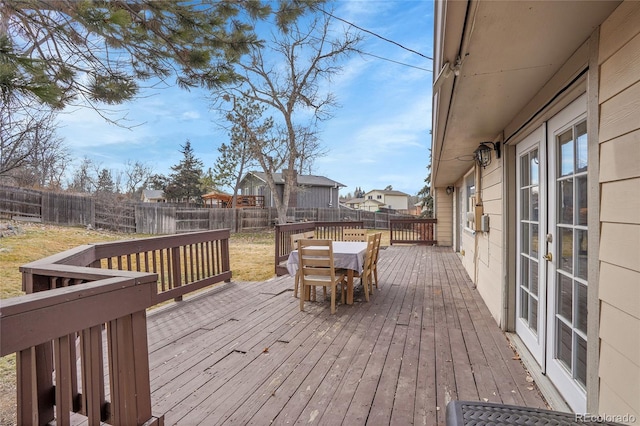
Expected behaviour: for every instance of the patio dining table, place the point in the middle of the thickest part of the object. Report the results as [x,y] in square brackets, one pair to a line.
[348,255]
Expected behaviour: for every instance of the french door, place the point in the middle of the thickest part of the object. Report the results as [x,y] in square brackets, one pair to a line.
[552,279]
[532,223]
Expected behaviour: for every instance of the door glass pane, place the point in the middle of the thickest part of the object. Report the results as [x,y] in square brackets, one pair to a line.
[525,238]
[564,298]
[534,278]
[582,244]
[533,323]
[581,361]
[581,200]
[535,165]
[581,147]
[565,249]
[534,240]
[534,203]
[524,305]
[565,161]
[581,307]
[524,205]
[565,201]
[524,171]
[524,272]
[563,348]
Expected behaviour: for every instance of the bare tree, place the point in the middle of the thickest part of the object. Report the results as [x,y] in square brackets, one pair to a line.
[285,77]
[135,174]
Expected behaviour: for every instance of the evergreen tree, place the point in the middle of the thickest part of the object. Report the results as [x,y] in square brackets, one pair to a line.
[184,183]
[105,184]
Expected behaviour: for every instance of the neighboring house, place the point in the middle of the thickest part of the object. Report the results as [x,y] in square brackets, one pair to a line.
[549,231]
[311,191]
[389,199]
[354,203]
[153,196]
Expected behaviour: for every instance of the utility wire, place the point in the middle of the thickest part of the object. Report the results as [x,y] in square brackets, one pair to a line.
[372,33]
[396,62]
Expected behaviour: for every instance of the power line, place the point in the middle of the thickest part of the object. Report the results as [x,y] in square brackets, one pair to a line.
[372,33]
[395,62]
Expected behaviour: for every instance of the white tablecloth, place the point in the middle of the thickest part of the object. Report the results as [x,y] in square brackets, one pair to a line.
[346,254]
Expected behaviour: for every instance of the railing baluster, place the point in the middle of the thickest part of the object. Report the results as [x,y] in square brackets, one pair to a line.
[62,364]
[92,363]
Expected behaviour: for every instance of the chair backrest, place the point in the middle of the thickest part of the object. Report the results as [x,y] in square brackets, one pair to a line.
[354,234]
[369,256]
[296,237]
[315,259]
[376,252]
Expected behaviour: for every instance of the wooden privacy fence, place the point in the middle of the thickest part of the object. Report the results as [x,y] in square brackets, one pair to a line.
[113,212]
[413,231]
[94,293]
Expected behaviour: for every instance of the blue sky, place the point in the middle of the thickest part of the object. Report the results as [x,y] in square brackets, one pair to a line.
[378,137]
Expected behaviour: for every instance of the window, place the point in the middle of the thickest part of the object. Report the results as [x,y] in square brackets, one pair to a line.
[469,207]
[379,197]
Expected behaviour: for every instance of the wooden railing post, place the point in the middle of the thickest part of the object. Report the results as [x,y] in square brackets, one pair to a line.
[129,370]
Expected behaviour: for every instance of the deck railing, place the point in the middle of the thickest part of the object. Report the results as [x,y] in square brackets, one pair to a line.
[413,231]
[73,307]
[328,230]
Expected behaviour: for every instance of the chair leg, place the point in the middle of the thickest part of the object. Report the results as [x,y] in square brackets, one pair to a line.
[333,298]
[375,273]
[365,286]
[303,292]
[295,285]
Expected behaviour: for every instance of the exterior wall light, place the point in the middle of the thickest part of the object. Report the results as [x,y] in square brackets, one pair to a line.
[450,190]
[483,153]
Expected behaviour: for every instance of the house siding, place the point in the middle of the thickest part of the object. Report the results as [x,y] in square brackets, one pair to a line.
[444,213]
[489,244]
[619,178]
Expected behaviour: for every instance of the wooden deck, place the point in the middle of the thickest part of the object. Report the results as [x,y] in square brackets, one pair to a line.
[244,353]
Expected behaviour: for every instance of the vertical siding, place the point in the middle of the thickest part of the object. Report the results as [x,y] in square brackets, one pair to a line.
[619,137]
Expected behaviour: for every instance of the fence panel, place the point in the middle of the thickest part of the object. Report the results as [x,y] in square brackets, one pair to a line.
[20,202]
[222,218]
[155,219]
[115,215]
[253,219]
[192,220]
[68,209]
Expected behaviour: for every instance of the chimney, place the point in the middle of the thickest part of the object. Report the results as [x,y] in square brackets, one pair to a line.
[290,174]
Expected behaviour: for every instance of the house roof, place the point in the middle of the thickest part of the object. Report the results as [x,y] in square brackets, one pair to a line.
[372,201]
[502,67]
[388,192]
[355,201]
[308,180]
[216,194]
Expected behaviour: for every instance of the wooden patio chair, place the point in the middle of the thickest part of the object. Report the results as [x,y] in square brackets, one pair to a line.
[366,276]
[317,269]
[354,234]
[294,246]
[374,264]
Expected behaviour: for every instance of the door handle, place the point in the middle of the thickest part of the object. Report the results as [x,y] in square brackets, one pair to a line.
[548,257]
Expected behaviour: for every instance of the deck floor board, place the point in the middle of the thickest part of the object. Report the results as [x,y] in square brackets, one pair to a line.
[243,353]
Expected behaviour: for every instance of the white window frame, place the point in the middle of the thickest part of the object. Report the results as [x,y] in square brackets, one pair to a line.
[468,210]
